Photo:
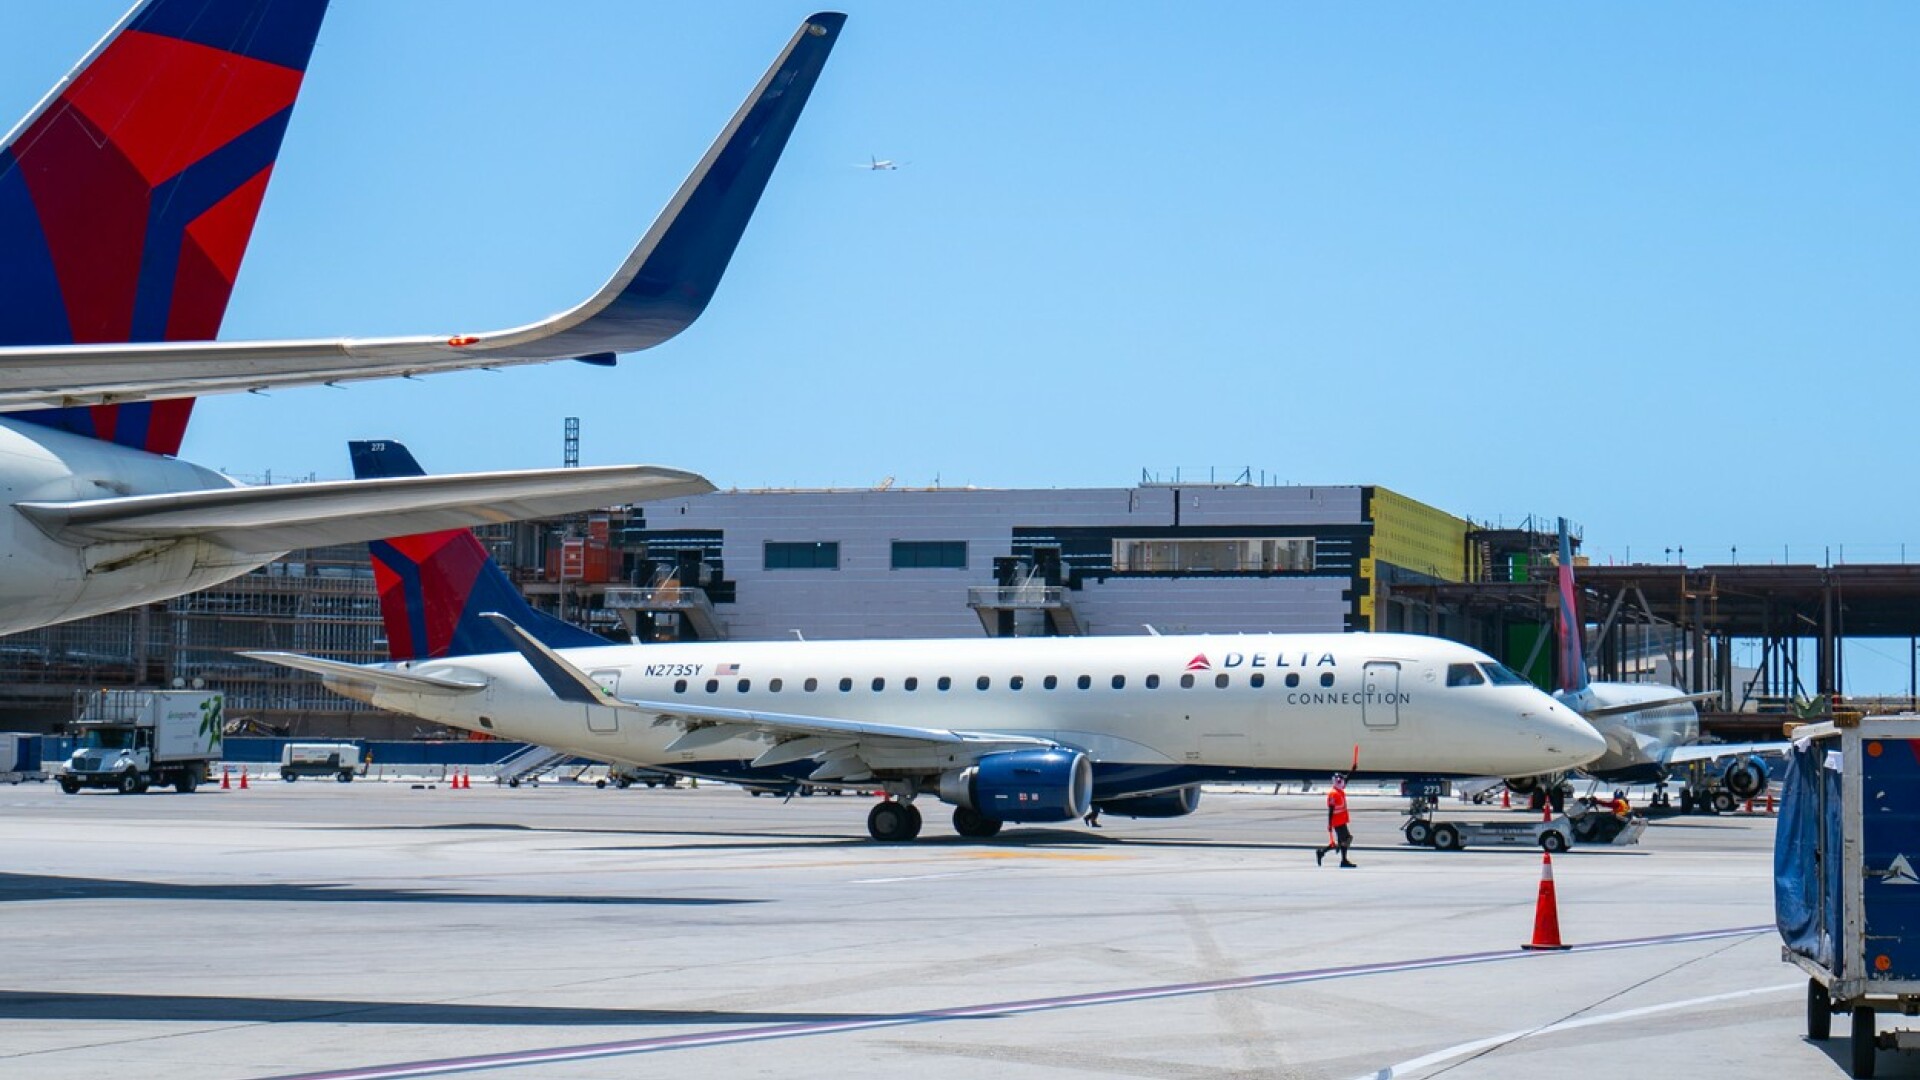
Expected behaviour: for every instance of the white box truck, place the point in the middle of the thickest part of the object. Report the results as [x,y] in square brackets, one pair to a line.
[131,740]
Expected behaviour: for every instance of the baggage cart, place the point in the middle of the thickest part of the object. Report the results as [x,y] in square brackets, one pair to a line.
[1846,895]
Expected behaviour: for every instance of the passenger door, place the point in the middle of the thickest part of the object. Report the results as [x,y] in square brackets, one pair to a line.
[1380,704]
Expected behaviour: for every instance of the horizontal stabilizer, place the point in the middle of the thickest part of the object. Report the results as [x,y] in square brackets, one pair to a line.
[287,517]
[385,678]
[662,287]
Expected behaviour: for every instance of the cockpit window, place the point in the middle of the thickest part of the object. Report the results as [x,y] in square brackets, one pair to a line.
[1501,675]
[1464,675]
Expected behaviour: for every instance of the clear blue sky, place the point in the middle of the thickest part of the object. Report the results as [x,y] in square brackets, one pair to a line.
[1650,266]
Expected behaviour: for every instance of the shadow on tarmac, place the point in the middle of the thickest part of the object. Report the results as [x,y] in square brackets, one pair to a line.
[15,888]
[40,1005]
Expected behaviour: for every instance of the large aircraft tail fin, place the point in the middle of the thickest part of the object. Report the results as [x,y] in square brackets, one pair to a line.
[435,586]
[127,196]
[1567,624]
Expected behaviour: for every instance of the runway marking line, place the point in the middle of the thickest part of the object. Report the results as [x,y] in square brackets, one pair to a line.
[999,1010]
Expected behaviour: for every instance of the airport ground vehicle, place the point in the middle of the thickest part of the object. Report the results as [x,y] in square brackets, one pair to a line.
[1421,830]
[131,740]
[625,776]
[19,758]
[336,759]
[1846,892]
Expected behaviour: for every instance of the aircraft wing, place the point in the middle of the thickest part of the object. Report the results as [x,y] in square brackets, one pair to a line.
[661,288]
[847,750]
[286,517]
[1680,755]
[386,678]
[1622,709]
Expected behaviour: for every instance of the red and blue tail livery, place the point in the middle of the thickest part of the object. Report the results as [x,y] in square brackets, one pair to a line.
[434,587]
[128,195]
[1567,625]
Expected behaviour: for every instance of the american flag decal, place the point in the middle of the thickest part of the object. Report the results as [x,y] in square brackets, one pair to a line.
[728,669]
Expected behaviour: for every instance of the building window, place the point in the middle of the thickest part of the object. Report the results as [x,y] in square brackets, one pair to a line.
[822,555]
[1246,556]
[929,554]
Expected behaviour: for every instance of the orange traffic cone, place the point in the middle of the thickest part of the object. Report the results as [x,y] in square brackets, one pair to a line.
[226,779]
[1506,797]
[466,780]
[243,778]
[1546,913]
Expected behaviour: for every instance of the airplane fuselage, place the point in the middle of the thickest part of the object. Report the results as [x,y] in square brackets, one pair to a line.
[44,581]
[1638,741]
[1150,712]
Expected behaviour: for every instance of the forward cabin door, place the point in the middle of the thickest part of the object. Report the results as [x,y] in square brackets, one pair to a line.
[1380,705]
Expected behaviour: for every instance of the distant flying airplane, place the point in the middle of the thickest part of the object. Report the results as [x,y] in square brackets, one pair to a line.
[1649,728]
[1004,729]
[876,164]
[127,197]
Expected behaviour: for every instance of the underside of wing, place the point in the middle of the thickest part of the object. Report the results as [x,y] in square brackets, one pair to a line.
[287,517]
[1716,751]
[662,287]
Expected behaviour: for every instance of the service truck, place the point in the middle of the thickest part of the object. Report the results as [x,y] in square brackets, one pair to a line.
[336,759]
[131,740]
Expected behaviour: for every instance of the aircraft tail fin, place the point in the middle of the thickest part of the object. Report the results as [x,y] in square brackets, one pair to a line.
[1567,622]
[128,195]
[435,586]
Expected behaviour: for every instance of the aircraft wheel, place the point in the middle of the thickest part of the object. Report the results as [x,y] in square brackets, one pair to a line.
[1447,838]
[1863,1041]
[893,822]
[1819,1012]
[1419,833]
[974,824]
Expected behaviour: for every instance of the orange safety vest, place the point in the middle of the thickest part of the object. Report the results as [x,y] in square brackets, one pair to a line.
[1336,808]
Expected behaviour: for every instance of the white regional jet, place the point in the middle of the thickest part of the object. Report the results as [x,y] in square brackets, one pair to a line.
[127,197]
[1004,729]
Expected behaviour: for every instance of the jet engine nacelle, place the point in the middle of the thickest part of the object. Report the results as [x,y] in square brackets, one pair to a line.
[1525,785]
[1176,803]
[1023,785]
[1745,777]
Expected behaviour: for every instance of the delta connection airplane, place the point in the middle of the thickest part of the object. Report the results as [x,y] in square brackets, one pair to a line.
[1004,729]
[127,197]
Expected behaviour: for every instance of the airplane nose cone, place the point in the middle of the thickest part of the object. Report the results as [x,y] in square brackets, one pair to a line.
[1573,737]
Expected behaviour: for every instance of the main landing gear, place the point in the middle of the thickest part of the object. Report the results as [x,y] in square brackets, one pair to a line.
[892,821]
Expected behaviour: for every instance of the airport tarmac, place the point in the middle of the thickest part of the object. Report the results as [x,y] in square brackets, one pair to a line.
[379,930]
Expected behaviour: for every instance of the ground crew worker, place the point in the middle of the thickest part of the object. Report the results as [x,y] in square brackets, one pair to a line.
[1338,834]
[1621,808]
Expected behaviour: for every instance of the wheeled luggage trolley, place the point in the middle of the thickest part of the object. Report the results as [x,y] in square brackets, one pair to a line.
[1846,896]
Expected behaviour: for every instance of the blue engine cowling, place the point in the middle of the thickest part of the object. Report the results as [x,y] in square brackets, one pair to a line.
[1176,803]
[1024,785]
[1745,777]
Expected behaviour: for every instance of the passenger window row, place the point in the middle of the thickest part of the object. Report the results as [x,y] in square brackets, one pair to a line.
[1221,680]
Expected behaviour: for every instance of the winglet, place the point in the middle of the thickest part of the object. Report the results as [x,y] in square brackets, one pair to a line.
[671,275]
[1573,663]
[567,682]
